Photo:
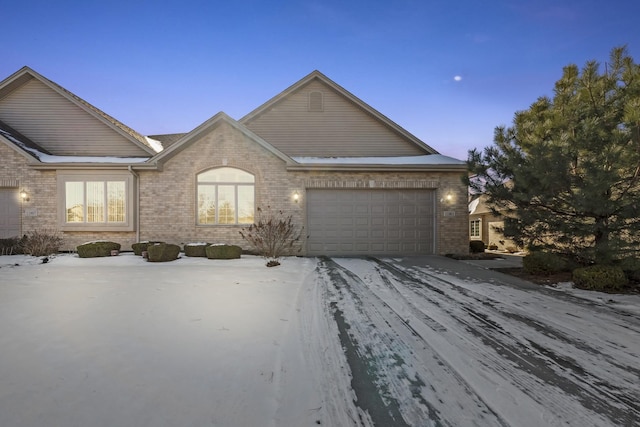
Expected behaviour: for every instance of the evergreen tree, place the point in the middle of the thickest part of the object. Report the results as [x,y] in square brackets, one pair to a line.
[566,174]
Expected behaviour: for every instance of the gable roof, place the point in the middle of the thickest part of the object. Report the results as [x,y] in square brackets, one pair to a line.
[317,75]
[20,141]
[220,117]
[40,158]
[26,74]
[167,140]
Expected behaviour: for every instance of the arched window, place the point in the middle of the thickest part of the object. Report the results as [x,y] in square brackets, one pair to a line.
[226,196]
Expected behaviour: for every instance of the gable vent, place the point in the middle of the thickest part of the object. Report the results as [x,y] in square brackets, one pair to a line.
[316,103]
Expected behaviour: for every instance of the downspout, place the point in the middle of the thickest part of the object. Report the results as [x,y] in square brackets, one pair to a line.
[137,203]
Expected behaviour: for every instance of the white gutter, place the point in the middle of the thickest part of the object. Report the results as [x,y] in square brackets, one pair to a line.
[137,179]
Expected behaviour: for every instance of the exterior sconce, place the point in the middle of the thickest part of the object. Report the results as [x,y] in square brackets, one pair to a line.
[296,196]
[448,198]
[24,196]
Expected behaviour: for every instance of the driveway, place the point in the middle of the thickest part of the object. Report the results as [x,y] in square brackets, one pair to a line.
[447,343]
[337,342]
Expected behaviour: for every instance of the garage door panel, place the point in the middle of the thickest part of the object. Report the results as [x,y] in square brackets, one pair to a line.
[377,247]
[410,235]
[362,221]
[409,210]
[346,209]
[393,234]
[393,247]
[377,196]
[378,234]
[9,213]
[370,222]
[362,209]
[378,221]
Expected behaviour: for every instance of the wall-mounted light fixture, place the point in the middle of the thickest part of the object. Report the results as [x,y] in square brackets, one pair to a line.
[24,197]
[448,198]
[296,196]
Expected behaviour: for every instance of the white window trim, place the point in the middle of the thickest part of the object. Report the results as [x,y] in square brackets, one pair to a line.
[236,195]
[74,176]
[479,236]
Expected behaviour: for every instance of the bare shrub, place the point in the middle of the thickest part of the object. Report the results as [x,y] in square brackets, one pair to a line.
[11,246]
[42,242]
[273,235]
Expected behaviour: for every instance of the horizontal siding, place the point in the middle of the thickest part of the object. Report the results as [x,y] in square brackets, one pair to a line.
[58,125]
[342,129]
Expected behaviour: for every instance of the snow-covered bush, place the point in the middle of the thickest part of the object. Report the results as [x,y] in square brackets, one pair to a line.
[223,251]
[196,249]
[162,252]
[100,248]
[140,247]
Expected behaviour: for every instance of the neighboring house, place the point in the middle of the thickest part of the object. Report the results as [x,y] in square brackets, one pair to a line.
[353,179]
[485,226]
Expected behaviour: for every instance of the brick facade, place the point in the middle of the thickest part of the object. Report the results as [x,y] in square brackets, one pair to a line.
[452,215]
[168,198]
[161,194]
[167,209]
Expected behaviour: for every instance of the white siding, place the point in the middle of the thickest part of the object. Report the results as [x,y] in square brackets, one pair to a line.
[60,126]
[341,129]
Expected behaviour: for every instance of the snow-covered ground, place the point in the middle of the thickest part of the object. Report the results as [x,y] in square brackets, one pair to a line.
[122,342]
[451,351]
[119,341]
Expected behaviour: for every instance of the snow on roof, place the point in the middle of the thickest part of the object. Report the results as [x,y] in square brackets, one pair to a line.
[155,144]
[430,159]
[474,205]
[19,143]
[48,158]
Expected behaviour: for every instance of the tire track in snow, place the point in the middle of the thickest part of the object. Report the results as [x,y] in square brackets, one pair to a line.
[595,342]
[494,360]
[536,363]
[405,371]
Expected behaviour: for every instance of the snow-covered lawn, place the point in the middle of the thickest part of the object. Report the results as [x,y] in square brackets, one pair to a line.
[119,341]
[122,342]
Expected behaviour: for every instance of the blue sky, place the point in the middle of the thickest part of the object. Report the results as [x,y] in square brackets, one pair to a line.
[165,67]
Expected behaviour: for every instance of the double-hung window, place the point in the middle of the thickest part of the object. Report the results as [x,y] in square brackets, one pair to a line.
[96,202]
[474,228]
[225,196]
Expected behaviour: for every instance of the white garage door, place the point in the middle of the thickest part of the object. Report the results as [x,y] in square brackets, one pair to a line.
[9,213]
[370,222]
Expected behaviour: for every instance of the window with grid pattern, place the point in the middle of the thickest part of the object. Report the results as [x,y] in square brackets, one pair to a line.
[95,201]
[225,196]
[474,230]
